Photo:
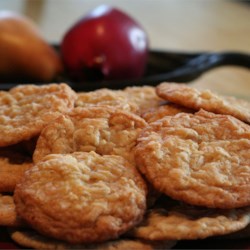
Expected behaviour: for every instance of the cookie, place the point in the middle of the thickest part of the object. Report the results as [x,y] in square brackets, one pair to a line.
[106,97]
[160,112]
[8,216]
[144,97]
[12,167]
[134,99]
[204,99]
[31,239]
[25,110]
[183,222]
[201,159]
[104,130]
[81,197]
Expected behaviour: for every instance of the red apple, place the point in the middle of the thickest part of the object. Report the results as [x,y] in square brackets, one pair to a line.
[105,44]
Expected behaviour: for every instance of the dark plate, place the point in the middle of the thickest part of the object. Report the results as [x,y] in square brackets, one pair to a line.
[162,66]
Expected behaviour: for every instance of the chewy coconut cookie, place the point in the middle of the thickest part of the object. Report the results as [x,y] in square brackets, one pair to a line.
[31,239]
[201,159]
[144,97]
[196,99]
[105,130]
[180,221]
[81,197]
[133,99]
[106,97]
[160,112]
[25,110]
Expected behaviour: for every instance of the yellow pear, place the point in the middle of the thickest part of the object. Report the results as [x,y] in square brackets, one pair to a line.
[24,53]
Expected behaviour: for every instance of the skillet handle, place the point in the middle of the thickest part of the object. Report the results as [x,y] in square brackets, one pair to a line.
[211,60]
[201,63]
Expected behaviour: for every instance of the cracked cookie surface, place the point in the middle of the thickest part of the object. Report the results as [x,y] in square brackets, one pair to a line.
[204,99]
[201,159]
[81,197]
[105,130]
[185,222]
[25,110]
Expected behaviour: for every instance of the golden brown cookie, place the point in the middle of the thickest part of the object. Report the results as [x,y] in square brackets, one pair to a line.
[8,216]
[144,97]
[160,112]
[204,99]
[201,159]
[25,110]
[81,197]
[104,130]
[12,166]
[106,97]
[31,239]
[133,99]
[183,222]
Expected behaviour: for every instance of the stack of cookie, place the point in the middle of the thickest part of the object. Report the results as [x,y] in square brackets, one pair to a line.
[138,168]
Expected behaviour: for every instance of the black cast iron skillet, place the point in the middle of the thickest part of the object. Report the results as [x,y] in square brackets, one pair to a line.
[162,66]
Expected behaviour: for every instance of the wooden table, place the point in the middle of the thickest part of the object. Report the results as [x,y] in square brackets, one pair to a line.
[189,25]
[184,25]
